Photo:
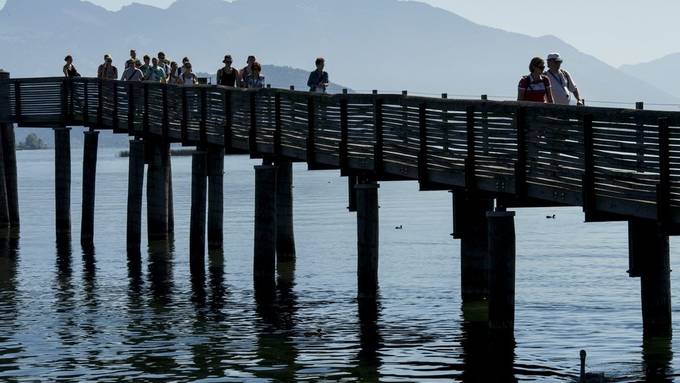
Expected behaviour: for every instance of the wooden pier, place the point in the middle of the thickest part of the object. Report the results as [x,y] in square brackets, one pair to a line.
[618,164]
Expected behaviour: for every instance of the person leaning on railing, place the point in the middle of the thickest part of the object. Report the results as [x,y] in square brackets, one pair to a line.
[70,69]
[146,66]
[107,71]
[535,87]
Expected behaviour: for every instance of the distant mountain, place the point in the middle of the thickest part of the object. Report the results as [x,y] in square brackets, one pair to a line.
[376,44]
[660,73]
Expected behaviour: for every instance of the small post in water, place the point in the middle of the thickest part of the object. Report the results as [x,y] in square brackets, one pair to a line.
[215,197]
[502,272]
[135,194]
[285,236]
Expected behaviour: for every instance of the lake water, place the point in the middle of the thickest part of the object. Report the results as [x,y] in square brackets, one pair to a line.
[70,315]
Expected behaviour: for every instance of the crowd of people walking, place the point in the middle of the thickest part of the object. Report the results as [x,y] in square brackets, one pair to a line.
[553,85]
[160,69]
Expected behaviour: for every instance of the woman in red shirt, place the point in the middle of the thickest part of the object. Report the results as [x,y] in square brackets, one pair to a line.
[535,87]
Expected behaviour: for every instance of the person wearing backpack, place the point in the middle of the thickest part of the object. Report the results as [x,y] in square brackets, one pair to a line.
[561,82]
[535,87]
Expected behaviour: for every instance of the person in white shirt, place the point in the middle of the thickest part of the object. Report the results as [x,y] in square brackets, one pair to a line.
[561,82]
[132,72]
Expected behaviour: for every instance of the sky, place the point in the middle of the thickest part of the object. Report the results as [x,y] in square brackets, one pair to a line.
[615,31]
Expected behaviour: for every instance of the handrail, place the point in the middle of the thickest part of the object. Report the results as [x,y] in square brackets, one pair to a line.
[611,160]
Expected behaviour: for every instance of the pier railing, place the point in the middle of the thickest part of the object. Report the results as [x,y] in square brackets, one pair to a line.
[616,163]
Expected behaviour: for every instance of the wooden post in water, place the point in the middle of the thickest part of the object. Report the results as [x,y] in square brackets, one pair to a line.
[264,264]
[501,272]
[4,206]
[199,174]
[89,180]
[168,173]
[352,193]
[135,193]
[285,236]
[9,156]
[62,180]
[215,197]
[367,238]
[157,189]
[470,226]
[650,249]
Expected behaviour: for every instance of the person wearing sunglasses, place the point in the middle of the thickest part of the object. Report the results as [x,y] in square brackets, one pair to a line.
[561,82]
[535,87]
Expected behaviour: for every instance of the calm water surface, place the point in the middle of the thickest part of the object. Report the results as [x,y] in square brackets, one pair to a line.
[70,314]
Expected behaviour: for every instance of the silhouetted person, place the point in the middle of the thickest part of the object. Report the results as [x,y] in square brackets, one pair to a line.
[132,72]
[155,73]
[164,63]
[535,87]
[561,82]
[227,75]
[318,79]
[247,70]
[69,69]
[132,59]
[146,66]
[188,77]
[173,76]
[106,70]
[255,80]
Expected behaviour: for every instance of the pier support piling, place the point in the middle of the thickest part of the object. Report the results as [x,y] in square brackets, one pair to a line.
[285,237]
[199,174]
[650,250]
[264,265]
[501,237]
[135,193]
[4,205]
[62,180]
[89,181]
[367,238]
[9,156]
[157,190]
[352,195]
[470,225]
[215,197]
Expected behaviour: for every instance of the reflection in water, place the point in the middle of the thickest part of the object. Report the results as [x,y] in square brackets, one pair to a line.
[368,360]
[217,289]
[65,305]
[487,356]
[89,275]
[277,309]
[657,354]
[160,271]
[9,258]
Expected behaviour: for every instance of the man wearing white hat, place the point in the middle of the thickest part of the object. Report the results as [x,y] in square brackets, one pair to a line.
[561,82]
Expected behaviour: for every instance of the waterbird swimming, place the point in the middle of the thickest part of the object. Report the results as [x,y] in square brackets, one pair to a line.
[400,227]
[550,216]
[590,377]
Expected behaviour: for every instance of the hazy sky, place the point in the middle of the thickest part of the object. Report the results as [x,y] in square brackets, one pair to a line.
[616,31]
